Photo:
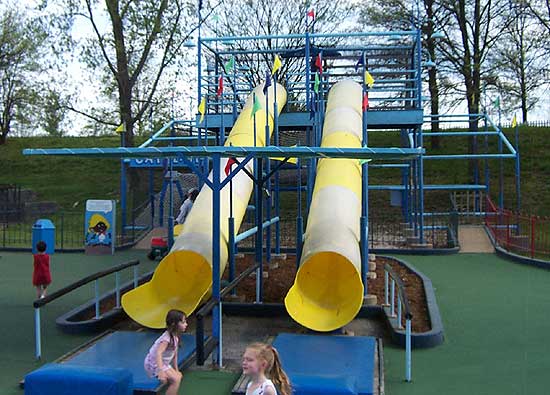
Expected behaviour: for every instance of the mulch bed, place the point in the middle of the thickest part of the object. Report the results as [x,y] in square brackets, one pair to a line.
[280,280]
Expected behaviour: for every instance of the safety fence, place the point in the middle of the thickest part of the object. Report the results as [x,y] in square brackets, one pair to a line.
[69,229]
[39,303]
[522,234]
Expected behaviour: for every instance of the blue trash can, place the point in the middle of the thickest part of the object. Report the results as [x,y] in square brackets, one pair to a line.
[43,229]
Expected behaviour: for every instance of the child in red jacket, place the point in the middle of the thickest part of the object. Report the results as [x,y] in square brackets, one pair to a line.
[41,276]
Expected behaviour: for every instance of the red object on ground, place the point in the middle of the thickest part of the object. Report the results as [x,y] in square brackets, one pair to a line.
[158,242]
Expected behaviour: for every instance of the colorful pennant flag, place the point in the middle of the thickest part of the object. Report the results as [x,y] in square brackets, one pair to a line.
[276,64]
[319,63]
[363,161]
[514,121]
[496,103]
[228,66]
[311,14]
[317,83]
[368,79]
[230,162]
[267,82]
[219,92]
[120,128]
[202,108]
[365,101]
[257,106]
[359,63]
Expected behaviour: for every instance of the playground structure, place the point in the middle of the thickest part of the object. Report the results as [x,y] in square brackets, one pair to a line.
[234,168]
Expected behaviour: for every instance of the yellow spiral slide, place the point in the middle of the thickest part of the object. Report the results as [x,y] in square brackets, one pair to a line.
[328,291]
[184,277]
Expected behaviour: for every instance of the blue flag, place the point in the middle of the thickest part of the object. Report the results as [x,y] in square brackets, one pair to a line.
[359,63]
[267,82]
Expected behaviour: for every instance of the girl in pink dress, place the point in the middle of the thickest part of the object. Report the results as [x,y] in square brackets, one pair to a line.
[41,276]
[262,365]
[162,359]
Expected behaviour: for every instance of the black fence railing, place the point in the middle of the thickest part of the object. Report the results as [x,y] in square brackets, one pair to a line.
[69,229]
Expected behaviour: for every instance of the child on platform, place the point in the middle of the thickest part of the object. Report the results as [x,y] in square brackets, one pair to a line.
[261,363]
[41,276]
[162,359]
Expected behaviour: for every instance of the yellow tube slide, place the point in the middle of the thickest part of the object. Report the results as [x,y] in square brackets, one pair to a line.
[184,277]
[328,291]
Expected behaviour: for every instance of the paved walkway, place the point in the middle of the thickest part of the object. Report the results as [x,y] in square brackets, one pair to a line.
[473,238]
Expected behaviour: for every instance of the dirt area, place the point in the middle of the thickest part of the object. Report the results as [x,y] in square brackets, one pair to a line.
[281,278]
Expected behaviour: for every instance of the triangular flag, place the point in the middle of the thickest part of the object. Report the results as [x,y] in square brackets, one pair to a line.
[496,103]
[267,82]
[368,79]
[359,63]
[220,86]
[228,67]
[514,121]
[120,128]
[365,101]
[319,63]
[202,108]
[276,64]
[311,14]
[230,162]
[317,82]
[363,161]
[257,106]
[216,18]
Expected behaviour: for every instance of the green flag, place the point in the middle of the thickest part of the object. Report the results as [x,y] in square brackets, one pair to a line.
[228,67]
[317,82]
[496,103]
[256,107]
[362,161]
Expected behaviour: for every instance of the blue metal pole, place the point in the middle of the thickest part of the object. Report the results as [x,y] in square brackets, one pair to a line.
[268,181]
[259,235]
[216,233]
[96,289]
[171,207]
[408,358]
[299,219]
[117,288]
[152,196]
[123,197]
[365,195]
[420,141]
[500,176]
[518,174]
[487,174]
[37,335]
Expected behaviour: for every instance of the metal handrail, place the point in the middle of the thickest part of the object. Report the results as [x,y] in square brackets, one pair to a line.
[37,304]
[402,302]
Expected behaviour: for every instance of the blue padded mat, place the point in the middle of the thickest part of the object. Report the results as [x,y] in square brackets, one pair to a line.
[127,350]
[63,379]
[319,364]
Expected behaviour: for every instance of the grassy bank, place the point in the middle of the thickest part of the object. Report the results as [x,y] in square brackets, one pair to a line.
[70,181]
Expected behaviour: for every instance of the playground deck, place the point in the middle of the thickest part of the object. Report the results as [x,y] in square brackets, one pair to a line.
[494,313]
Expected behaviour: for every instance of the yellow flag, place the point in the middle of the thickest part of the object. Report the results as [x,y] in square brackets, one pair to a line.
[121,128]
[202,108]
[514,121]
[368,79]
[276,64]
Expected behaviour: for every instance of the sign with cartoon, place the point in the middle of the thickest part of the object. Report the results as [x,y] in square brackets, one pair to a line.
[99,227]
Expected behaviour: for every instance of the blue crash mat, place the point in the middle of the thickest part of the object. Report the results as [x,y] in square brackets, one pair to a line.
[127,350]
[319,364]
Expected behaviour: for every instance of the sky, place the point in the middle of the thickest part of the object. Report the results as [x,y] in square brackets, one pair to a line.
[87,90]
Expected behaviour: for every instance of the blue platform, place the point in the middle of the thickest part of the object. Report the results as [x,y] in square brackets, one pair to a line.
[127,350]
[335,365]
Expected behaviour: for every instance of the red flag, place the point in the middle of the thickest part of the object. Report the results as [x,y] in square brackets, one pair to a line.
[365,101]
[220,86]
[230,162]
[319,63]
[311,14]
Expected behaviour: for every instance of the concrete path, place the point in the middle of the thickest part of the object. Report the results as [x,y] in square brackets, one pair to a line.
[473,238]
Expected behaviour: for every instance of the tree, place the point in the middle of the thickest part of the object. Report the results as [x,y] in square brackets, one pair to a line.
[398,15]
[519,61]
[478,25]
[21,42]
[129,53]
[254,18]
